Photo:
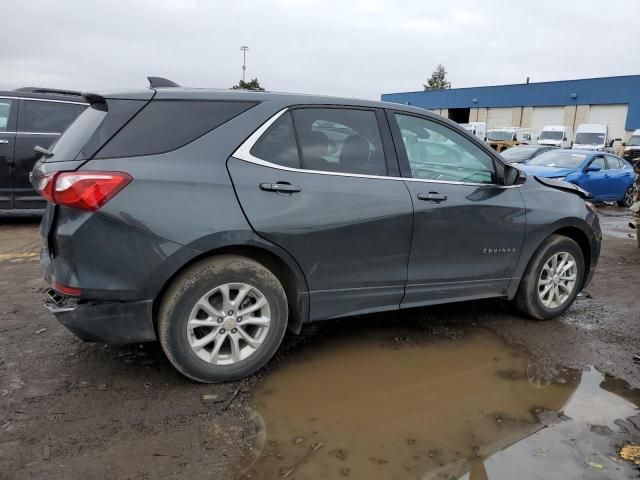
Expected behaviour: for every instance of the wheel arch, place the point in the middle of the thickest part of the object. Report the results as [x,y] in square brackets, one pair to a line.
[270,256]
[572,231]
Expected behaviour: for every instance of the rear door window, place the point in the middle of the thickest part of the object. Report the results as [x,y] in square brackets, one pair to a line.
[5,113]
[165,125]
[48,117]
[340,140]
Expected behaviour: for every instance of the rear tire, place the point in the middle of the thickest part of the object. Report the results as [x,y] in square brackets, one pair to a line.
[627,199]
[552,279]
[222,319]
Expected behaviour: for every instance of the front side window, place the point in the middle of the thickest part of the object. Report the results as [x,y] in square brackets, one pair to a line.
[436,152]
[340,140]
[599,161]
[5,112]
[48,117]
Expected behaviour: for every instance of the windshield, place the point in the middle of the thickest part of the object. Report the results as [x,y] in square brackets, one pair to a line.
[559,159]
[551,135]
[500,135]
[634,141]
[518,153]
[585,138]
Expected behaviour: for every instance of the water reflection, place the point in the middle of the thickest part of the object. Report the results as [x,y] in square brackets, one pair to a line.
[471,408]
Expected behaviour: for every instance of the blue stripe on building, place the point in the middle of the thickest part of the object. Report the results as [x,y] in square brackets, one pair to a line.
[590,91]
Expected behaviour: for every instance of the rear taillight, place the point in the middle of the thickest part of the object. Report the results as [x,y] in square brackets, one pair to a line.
[84,190]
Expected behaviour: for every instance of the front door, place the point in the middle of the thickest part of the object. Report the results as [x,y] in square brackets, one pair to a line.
[327,200]
[596,183]
[41,122]
[8,110]
[468,230]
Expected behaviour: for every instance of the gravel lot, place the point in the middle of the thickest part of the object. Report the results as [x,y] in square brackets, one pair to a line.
[70,409]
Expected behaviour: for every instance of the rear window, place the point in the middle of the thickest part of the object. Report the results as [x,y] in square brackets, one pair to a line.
[69,145]
[166,125]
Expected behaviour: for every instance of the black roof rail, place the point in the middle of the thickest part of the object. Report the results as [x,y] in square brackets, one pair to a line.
[49,91]
[161,82]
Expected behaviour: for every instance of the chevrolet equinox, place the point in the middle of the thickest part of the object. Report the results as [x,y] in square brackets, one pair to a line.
[213,220]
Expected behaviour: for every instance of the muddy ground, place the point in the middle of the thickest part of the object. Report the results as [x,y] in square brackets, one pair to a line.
[70,409]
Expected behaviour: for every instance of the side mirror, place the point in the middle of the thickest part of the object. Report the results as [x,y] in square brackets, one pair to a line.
[594,168]
[513,176]
[564,139]
[624,144]
[611,143]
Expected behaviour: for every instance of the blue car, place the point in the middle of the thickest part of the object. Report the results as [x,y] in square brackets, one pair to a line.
[606,177]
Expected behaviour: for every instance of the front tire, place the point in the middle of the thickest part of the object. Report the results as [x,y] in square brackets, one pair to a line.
[222,319]
[552,279]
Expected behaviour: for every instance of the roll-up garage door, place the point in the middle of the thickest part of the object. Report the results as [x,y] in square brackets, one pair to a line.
[615,116]
[543,116]
[499,117]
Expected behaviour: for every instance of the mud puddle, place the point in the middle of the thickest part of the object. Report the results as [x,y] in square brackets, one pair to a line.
[376,407]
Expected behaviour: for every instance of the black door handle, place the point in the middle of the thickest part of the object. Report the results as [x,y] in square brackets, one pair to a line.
[432,197]
[280,187]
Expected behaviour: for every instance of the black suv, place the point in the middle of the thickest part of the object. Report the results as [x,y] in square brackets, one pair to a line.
[214,220]
[30,117]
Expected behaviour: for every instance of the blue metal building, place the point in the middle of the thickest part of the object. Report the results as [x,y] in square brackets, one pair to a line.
[611,100]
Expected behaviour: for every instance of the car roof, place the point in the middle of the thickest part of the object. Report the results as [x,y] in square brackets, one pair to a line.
[184,93]
[44,94]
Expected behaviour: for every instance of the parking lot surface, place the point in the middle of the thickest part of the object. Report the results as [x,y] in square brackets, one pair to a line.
[467,389]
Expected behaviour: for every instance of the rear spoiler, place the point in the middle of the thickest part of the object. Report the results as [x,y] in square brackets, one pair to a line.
[566,186]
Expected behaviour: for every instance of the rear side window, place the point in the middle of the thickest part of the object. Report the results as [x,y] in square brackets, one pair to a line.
[614,163]
[278,144]
[166,125]
[48,117]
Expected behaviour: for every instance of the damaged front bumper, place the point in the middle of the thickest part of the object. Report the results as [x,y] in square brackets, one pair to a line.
[105,322]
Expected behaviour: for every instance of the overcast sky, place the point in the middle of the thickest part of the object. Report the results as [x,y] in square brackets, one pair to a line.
[343,47]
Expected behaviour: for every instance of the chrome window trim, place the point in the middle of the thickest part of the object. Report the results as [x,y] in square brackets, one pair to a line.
[243,152]
[44,100]
[38,133]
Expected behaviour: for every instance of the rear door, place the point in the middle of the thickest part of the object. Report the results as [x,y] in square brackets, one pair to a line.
[326,193]
[8,115]
[40,122]
[468,229]
[621,177]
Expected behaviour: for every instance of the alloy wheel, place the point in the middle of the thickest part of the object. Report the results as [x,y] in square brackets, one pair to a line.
[228,323]
[628,197]
[557,280]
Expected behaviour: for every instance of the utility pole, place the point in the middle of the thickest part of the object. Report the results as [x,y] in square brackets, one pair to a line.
[244,49]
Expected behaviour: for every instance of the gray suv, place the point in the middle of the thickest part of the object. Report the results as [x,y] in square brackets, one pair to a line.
[214,220]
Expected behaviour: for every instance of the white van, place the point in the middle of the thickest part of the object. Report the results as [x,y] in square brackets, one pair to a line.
[510,134]
[556,135]
[632,147]
[479,129]
[592,136]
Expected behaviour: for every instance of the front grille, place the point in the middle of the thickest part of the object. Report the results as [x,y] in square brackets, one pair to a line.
[631,154]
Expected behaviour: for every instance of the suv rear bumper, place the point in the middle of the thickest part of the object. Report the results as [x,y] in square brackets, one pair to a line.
[106,322]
